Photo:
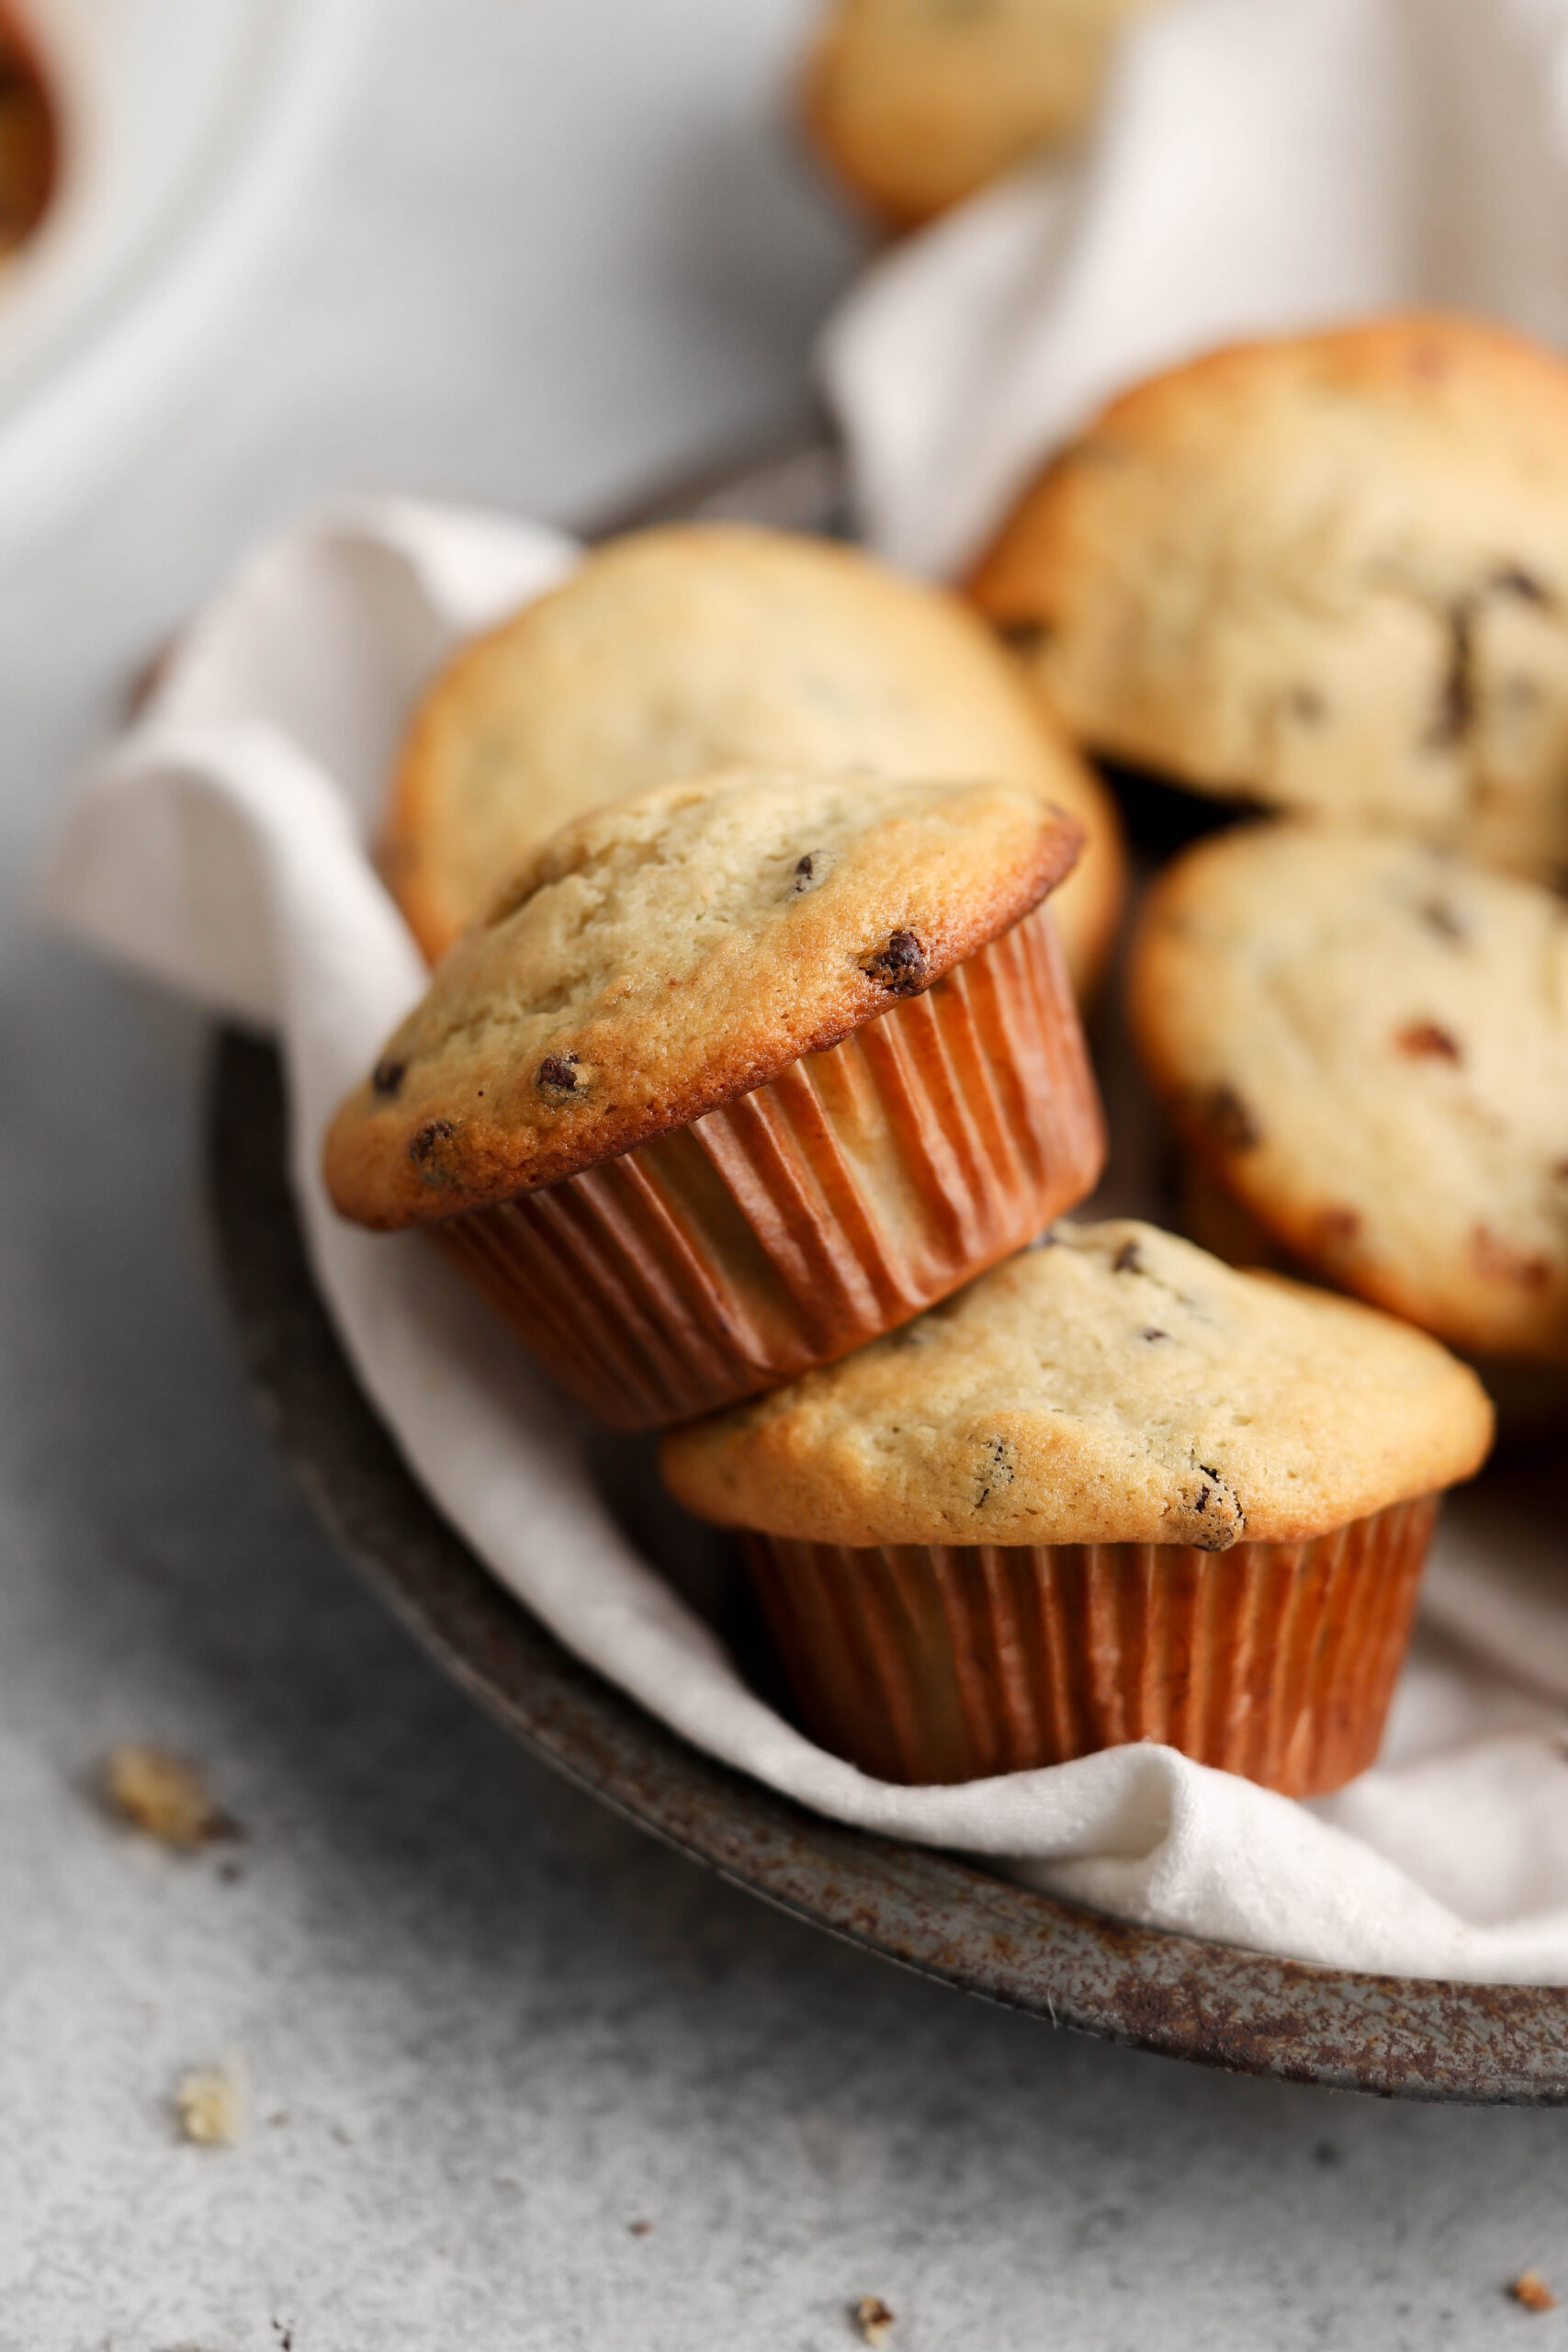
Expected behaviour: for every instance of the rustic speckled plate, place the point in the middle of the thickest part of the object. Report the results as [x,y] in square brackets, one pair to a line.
[1220,2007]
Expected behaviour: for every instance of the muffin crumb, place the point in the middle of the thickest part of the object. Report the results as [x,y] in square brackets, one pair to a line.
[873,2320]
[1531,2289]
[163,1794]
[209,2103]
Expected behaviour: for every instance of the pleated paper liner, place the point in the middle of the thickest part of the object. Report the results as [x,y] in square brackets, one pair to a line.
[940,1663]
[803,1219]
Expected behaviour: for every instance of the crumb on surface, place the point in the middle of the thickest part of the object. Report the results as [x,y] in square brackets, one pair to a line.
[639,2228]
[873,2320]
[1531,2289]
[164,1795]
[210,2102]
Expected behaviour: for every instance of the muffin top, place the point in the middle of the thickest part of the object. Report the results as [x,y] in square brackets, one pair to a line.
[1366,1042]
[1328,572]
[660,956]
[918,106]
[671,652]
[1114,1385]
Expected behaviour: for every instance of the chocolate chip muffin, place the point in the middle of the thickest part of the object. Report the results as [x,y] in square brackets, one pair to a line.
[1364,1042]
[737,1074]
[674,651]
[1112,1490]
[915,104]
[1325,573]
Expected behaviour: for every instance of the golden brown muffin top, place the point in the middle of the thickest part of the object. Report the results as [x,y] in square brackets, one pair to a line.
[1116,1385]
[1366,1041]
[661,955]
[1327,572]
[918,102]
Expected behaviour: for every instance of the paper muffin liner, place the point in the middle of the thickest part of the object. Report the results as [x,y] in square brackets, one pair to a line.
[803,1219]
[940,1663]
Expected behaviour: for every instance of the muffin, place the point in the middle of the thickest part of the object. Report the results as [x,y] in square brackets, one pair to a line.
[738,1074]
[1364,1043]
[1326,573]
[915,104]
[1113,1490]
[672,652]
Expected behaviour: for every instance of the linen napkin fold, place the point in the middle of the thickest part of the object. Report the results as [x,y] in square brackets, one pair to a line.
[220,846]
[1258,165]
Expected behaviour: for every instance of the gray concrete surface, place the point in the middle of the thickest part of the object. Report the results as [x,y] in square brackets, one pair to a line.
[486,2027]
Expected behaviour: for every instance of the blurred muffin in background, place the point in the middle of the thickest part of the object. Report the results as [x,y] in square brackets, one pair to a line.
[916,103]
[1327,572]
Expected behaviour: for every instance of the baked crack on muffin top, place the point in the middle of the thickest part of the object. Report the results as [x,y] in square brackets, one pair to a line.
[1114,1385]
[661,955]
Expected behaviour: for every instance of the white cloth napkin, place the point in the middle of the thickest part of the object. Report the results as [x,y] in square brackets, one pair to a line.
[220,847]
[1258,165]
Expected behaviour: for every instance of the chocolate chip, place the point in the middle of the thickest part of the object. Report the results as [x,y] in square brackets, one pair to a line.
[1026,634]
[1513,580]
[900,966]
[433,1133]
[1497,1262]
[387,1076]
[1439,916]
[1425,1040]
[1127,1260]
[811,869]
[1227,1121]
[1455,714]
[1154,1333]
[557,1074]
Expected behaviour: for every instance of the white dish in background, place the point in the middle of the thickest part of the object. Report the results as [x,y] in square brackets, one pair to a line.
[185,126]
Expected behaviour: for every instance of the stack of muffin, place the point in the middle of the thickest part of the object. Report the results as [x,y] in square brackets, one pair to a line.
[750,1085]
